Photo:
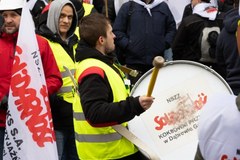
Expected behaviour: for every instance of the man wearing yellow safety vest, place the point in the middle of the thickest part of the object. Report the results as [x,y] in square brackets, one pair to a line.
[104,96]
[61,22]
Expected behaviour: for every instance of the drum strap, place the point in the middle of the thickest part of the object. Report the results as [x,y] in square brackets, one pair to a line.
[135,140]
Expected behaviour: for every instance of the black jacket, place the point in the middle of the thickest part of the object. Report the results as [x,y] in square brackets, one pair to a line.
[186,45]
[227,52]
[140,36]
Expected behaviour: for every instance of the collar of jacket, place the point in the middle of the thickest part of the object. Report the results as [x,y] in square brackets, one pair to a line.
[10,36]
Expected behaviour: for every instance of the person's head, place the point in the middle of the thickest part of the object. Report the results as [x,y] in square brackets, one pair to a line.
[96,31]
[79,8]
[11,12]
[62,18]
[194,2]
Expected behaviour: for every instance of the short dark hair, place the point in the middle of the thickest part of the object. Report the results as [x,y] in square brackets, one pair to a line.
[93,26]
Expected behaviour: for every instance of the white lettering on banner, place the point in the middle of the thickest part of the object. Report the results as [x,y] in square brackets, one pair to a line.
[37,61]
[29,128]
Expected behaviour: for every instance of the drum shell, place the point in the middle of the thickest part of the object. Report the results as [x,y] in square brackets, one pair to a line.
[181,89]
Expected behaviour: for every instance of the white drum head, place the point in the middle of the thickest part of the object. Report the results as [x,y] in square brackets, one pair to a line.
[169,127]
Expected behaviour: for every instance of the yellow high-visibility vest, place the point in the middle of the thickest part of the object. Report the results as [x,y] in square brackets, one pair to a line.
[63,59]
[100,143]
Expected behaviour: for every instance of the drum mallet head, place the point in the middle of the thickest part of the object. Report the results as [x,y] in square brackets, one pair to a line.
[158,62]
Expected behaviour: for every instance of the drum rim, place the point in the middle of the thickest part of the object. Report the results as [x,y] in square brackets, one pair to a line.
[183,62]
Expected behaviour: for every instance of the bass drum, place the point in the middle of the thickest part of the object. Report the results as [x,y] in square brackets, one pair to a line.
[182,88]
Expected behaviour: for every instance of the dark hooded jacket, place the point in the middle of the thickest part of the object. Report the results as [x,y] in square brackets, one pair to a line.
[141,36]
[227,52]
[97,96]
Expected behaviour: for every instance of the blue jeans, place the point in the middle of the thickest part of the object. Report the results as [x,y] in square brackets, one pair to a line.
[66,145]
[2,132]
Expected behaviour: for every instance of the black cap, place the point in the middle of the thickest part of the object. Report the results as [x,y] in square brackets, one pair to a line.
[19,11]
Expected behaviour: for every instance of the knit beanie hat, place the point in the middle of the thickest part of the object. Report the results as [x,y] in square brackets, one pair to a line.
[19,11]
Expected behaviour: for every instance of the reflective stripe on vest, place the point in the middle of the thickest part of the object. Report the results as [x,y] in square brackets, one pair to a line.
[100,142]
[79,116]
[98,137]
[63,59]
[66,74]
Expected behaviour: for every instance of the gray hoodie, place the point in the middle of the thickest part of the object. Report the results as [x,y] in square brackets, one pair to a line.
[54,15]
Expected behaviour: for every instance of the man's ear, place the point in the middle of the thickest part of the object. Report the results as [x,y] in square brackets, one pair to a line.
[101,40]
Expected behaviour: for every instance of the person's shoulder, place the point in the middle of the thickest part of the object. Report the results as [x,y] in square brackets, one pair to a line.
[163,4]
[41,38]
[43,43]
[127,5]
[220,15]
[191,19]
[188,6]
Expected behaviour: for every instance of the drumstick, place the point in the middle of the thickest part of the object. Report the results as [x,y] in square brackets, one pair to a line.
[157,63]
[106,8]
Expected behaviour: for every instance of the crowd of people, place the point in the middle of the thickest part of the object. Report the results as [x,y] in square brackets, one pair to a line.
[92,39]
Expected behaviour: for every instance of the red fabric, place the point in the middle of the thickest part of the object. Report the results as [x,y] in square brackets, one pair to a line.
[52,73]
[89,71]
[46,8]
